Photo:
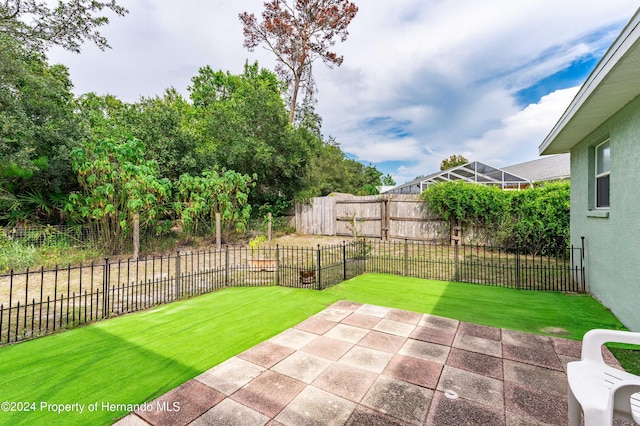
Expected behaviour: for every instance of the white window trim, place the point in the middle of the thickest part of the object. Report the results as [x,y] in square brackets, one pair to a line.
[607,173]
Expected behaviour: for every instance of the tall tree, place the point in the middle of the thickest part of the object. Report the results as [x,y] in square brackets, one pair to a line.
[242,126]
[38,128]
[67,25]
[453,161]
[298,32]
[330,170]
[388,180]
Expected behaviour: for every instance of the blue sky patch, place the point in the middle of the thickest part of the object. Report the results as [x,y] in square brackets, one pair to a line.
[388,127]
[574,75]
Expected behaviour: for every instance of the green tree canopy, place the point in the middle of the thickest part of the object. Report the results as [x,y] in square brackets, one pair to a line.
[38,26]
[38,128]
[242,125]
[164,124]
[330,170]
[453,161]
[388,180]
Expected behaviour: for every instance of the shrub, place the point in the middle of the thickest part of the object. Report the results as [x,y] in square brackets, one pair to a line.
[539,218]
[535,219]
[468,203]
[16,256]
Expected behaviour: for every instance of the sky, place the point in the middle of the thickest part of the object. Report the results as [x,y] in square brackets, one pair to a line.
[421,79]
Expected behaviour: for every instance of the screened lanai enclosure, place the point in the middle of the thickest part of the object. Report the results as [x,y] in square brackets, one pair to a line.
[474,172]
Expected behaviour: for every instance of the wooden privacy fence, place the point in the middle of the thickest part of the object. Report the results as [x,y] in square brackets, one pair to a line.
[374,216]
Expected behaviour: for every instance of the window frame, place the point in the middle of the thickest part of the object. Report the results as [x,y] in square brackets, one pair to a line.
[604,174]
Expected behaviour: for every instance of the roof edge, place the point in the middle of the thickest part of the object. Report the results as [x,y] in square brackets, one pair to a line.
[616,51]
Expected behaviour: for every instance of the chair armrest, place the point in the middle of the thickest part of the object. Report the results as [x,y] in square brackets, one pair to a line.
[594,339]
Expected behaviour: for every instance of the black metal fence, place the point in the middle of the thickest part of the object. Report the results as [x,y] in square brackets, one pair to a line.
[479,264]
[35,303]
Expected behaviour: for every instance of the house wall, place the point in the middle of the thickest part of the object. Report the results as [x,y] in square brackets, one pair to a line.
[612,236]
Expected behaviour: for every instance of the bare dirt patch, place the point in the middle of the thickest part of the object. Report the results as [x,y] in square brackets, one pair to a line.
[558,331]
[298,240]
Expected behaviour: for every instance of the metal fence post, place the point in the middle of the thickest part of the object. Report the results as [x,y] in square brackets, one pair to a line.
[226,266]
[178,275]
[406,257]
[344,260]
[218,231]
[583,280]
[105,288]
[456,260]
[518,283]
[319,269]
[10,306]
[277,264]
[363,252]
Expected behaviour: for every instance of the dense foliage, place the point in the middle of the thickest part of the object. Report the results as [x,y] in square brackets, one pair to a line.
[330,170]
[119,186]
[111,161]
[468,203]
[536,219]
[39,26]
[540,218]
[38,129]
[242,125]
[200,198]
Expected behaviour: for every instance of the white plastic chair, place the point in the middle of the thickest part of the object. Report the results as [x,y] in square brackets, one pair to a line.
[602,391]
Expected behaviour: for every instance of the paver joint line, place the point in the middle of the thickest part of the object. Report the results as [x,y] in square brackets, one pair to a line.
[361,364]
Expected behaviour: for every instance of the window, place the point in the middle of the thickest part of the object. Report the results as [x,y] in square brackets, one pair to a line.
[603,170]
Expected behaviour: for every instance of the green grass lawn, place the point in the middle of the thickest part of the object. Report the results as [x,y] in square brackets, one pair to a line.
[135,358]
[562,315]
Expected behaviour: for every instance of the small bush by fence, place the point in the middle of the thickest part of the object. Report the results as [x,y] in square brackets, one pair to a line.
[40,302]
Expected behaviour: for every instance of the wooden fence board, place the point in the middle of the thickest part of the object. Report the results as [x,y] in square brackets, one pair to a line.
[386,217]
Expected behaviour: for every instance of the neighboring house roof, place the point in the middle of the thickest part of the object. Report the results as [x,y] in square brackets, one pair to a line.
[554,167]
[613,83]
[475,172]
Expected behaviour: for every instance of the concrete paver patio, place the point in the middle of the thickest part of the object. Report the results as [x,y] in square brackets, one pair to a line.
[355,364]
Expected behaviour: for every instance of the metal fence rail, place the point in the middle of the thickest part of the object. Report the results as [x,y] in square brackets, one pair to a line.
[40,302]
[479,264]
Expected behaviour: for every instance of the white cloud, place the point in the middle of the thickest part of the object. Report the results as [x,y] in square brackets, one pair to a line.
[443,72]
[517,138]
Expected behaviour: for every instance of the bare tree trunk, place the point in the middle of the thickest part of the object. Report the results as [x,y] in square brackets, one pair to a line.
[218,231]
[294,99]
[136,236]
